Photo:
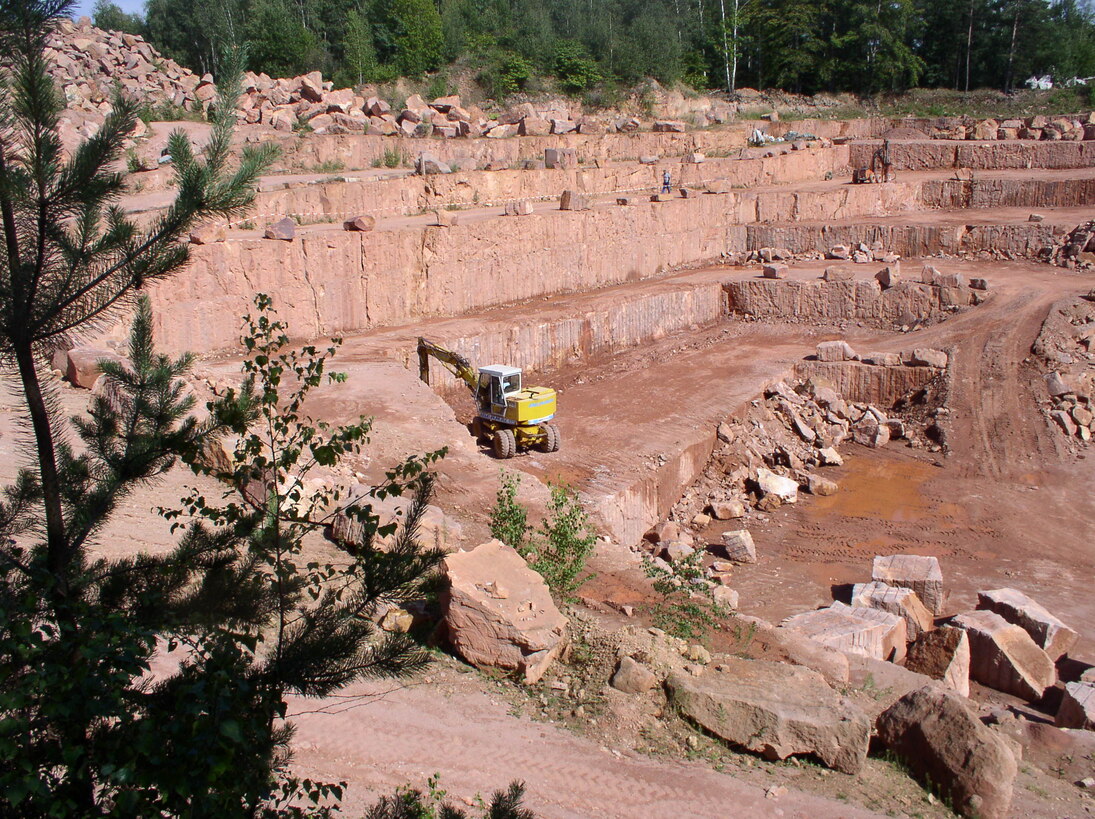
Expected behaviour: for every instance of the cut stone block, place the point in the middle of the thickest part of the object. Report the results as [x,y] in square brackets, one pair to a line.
[776,710]
[1003,656]
[521,207]
[943,654]
[941,739]
[361,224]
[917,572]
[869,632]
[1077,707]
[896,600]
[775,271]
[1053,636]
[739,546]
[835,351]
[572,200]
[838,273]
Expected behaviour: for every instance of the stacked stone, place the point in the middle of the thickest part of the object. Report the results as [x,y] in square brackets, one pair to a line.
[1071,128]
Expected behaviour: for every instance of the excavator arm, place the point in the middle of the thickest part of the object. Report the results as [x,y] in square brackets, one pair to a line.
[453,362]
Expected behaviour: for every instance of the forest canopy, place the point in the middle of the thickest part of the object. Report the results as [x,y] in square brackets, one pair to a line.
[805,46]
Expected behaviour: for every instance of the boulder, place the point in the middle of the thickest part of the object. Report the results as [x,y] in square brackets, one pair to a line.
[896,600]
[1056,385]
[560,158]
[739,547]
[534,126]
[563,126]
[1053,636]
[499,612]
[835,351]
[944,655]
[820,486]
[829,457]
[837,273]
[868,632]
[1003,656]
[208,233]
[888,277]
[869,431]
[1077,709]
[82,365]
[769,483]
[943,742]
[427,163]
[632,677]
[283,229]
[917,572]
[725,597]
[775,271]
[521,207]
[670,126]
[572,200]
[926,357]
[727,510]
[361,224]
[774,709]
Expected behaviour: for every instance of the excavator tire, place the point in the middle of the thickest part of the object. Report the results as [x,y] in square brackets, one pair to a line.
[505,444]
[552,438]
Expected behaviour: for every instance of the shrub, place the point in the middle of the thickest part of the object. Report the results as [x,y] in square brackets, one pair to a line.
[509,518]
[574,69]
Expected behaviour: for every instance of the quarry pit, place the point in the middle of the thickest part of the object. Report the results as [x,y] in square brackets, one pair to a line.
[663,322]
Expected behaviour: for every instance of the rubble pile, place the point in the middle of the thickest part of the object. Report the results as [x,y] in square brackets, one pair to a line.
[1076,249]
[1074,128]
[1065,348]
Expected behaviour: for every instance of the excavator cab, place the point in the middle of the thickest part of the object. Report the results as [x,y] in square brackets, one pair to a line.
[510,416]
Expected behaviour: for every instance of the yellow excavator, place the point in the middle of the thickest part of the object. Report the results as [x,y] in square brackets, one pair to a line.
[510,416]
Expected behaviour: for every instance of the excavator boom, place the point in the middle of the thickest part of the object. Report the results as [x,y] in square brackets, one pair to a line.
[453,362]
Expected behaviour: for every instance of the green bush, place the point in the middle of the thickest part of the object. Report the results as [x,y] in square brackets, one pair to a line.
[509,518]
[687,608]
[574,69]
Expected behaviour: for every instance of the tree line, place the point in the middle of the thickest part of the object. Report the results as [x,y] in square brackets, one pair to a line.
[806,46]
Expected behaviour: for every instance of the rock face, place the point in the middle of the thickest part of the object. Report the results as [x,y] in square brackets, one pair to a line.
[902,602]
[499,612]
[1053,636]
[937,735]
[869,632]
[916,572]
[1004,657]
[776,710]
[1077,706]
[943,654]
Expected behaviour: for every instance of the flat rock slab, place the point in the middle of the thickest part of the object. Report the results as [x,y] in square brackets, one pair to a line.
[896,600]
[1003,656]
[1077,706]
[776,710]
[917,572]
[944,655]
[1053,636]
[499,612]
[943,742]
[868,632]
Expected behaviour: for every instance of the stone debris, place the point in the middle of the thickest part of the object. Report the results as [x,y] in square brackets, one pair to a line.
[632,677]
[727,510]
[499,612]
[924,357]
[774,709]
[821,486]
[1053,636]
[1077,709]
[917,572]
[943,742]
[868,632]
[739,547]
[1003,656]
[888,277]
[900,601]
[944,655]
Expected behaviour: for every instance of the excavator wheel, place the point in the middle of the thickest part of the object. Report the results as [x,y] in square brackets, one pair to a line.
[552,438]
[505,444]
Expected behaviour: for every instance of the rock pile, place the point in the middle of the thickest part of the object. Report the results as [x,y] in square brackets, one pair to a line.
[1073,128]
[1075,249]
[1066,347]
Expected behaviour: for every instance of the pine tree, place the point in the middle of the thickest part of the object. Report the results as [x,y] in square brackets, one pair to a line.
[87,730]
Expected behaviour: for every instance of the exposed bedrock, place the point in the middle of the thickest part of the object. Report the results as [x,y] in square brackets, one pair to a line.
[951,194]
[931,154]
[836,301]
[867,384]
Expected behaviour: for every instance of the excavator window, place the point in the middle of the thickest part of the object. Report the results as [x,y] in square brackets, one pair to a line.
[511,383]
